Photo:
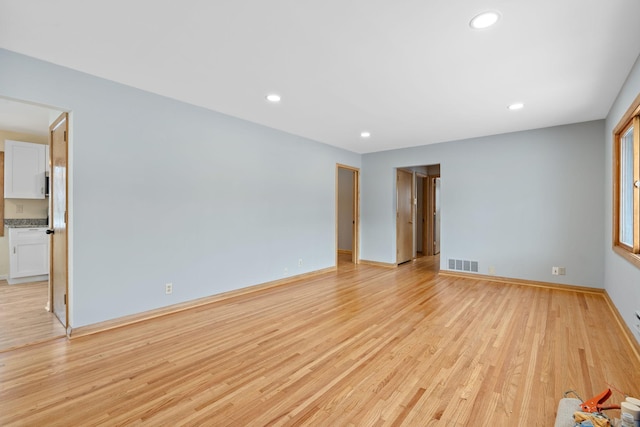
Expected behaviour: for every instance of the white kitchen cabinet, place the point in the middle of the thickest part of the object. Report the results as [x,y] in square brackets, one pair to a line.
[24,170]
[28,255]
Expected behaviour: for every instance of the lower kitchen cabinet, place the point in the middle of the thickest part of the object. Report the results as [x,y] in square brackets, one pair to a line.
[28,255]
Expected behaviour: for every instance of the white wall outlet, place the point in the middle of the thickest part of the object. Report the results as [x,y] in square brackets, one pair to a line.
[492,270]
[300,262]
[558,271]
[286,271]
[168,288]
[19,208]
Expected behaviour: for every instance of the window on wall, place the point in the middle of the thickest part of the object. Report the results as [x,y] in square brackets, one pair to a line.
[626,223]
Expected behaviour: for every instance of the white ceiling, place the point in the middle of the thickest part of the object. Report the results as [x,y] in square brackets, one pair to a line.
[25,118]
[410,72]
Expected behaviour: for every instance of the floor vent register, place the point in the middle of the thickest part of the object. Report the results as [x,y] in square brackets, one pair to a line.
[463,265]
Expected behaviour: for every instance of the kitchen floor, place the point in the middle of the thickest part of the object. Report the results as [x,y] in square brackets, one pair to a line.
[23,317]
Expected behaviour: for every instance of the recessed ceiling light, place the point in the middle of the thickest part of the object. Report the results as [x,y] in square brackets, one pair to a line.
[484,20]
[516,106]
[365,134]
[273,97]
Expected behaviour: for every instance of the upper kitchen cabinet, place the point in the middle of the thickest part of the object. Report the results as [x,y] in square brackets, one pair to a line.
[24,170]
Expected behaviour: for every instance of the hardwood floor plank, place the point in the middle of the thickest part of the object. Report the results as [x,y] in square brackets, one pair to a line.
[361,346]
[23,318]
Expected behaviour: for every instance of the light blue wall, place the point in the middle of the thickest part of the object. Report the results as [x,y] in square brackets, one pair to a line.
[520,202]
[167,192]
[622,279]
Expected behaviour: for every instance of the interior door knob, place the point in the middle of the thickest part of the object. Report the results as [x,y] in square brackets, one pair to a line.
[50,231]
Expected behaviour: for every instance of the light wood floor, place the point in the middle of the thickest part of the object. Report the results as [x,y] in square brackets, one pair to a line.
[364,346]
[23,318]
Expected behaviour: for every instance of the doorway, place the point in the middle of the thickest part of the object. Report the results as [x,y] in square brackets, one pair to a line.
[347,214]
[428,217]
[436,216]
[417,212]
[404,216]
[26,311]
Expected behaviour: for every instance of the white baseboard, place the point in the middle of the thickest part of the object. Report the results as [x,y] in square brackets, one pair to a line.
[28,279]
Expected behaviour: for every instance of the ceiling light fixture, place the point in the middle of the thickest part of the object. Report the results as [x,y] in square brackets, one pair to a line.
[484,20]
[273,97]
[365,134]
[516,106]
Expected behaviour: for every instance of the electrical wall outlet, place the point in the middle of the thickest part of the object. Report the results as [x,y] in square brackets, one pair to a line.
[558,271]
[19,208]
[300,262]
[286,271]
[492,270]
[168,288]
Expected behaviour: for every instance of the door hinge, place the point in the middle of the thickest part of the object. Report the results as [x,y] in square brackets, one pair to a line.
[65,136]
[65,299]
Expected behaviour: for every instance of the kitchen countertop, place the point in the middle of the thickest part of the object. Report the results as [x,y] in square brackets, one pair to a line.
[26,223]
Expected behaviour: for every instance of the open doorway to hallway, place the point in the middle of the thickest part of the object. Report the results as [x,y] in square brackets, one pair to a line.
[347,214]
[417,212]
[428,211]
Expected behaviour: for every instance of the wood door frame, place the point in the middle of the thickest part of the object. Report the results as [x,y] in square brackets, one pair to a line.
[2,192]
[436,205]
[429,208]
[423,219]
[413,213]
[355,248]
[63,117]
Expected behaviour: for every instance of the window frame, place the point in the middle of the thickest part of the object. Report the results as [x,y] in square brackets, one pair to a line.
[630,118]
